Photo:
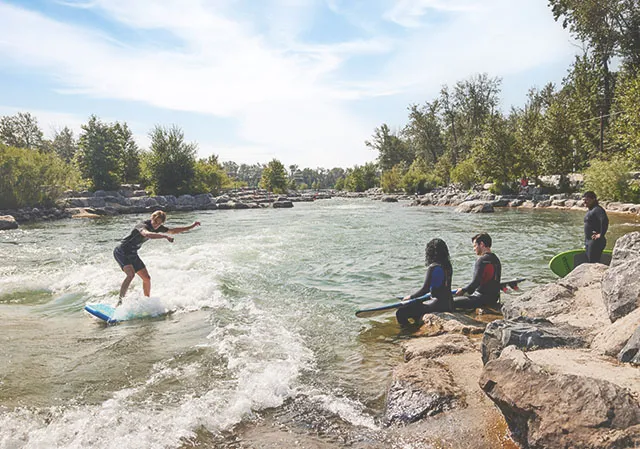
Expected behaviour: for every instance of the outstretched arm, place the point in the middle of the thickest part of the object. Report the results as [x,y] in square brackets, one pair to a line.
[155,235]
[184,228]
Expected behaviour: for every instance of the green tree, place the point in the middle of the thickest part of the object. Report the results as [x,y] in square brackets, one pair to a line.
[251,174]
[64,144]
[171,162]
[494,152]
[210,176]
[559,153]
[391,149]
[130,153]
[99,155]
[21,130]
[274,177]
[527,124]
[424,132]
[626,123]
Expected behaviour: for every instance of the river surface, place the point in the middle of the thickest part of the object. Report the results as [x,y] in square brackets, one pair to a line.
[262,338]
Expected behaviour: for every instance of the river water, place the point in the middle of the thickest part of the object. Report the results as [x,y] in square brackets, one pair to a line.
[262,340]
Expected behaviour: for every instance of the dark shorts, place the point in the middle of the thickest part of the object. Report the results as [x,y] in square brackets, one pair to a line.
[124,259]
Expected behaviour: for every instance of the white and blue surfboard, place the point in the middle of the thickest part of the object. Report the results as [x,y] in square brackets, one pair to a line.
[130,310]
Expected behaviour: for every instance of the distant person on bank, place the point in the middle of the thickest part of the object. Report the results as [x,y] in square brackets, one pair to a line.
[437,282]
[596,224]
[484,288]
[126,254]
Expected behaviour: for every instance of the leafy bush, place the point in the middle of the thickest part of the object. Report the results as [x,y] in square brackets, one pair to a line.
[31,178]
[609,179]
[210,177]
[465,174]
[391,180]
[417,178]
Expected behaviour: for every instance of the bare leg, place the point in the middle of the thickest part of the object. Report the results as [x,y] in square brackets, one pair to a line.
[146,281]
[128,270]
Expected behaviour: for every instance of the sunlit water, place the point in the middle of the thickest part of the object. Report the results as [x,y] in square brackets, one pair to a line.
[262,325]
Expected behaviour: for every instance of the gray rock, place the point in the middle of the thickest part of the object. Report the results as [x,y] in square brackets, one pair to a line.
[282,204]
[389,199]
[475,207]
[626,248]
[621,288]
[186,200]
[548,406]
[420,388]
[434,347]
[528,334]
[541,302]
[7,222]
[610,340]
[631,351]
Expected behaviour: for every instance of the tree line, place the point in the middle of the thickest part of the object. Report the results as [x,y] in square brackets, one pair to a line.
[35,170]
[588,124]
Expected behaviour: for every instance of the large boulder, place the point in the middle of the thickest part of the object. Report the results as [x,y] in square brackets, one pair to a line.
[8,222]
[528,334]
[612,338]
[561,398]
[621,283]
[475,207]
[575,299]
[434,347]
[631,351]
[421,387]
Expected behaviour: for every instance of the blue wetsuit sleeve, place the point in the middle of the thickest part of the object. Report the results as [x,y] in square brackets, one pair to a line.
[426,288]
[437,278]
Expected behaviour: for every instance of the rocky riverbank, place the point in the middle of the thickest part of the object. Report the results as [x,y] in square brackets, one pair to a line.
[129,201]
[562,366]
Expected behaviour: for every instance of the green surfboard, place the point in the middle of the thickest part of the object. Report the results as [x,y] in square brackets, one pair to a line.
[564,263]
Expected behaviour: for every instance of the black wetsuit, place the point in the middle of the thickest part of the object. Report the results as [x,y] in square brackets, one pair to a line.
[484,289]
[437,282]
[127,252]
[595,222]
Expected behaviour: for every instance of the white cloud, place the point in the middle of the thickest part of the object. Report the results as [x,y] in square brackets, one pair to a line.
[409,13]
[291,99]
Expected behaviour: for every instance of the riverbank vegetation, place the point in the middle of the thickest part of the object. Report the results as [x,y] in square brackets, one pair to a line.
[588,124]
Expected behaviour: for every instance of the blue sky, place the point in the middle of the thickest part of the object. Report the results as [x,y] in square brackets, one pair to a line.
[303,81]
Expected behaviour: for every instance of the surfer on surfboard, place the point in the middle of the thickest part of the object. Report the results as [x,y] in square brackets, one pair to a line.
[126,254]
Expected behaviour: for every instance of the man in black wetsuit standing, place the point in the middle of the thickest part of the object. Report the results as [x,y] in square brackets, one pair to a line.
[484,289]
[596,224]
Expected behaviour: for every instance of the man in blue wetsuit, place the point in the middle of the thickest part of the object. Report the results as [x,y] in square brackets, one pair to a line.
[484,289]
[596,224]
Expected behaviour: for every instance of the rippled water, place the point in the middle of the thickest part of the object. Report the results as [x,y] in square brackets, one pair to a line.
[262,335]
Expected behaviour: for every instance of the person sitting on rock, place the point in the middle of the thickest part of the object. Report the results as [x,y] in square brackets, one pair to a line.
[437,282]
[126,254]
[484,289]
